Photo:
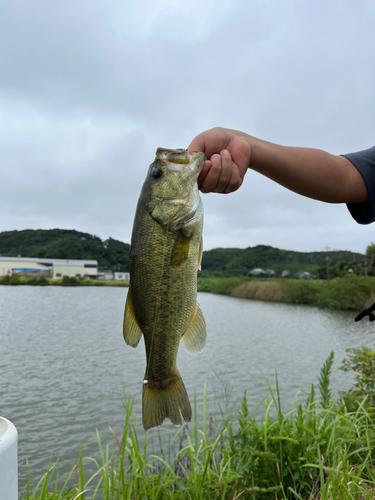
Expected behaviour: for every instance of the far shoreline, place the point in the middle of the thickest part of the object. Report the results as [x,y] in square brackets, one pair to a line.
[87,283]
[350,293]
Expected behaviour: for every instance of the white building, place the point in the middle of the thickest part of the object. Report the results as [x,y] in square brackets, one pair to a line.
[119,275]
[105,274]
[57,267]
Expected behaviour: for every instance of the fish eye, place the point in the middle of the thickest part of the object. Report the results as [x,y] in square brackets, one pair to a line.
[156,173]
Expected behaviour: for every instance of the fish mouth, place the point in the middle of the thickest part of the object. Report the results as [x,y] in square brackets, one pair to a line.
[180,159]
[179,156]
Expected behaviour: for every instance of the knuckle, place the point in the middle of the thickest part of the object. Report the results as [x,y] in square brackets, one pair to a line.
[233,185]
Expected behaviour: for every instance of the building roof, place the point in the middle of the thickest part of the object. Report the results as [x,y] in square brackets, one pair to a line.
[56,262]
[29,270]
[257,271]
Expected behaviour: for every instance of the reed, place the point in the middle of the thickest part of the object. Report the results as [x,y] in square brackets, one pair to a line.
[314,451]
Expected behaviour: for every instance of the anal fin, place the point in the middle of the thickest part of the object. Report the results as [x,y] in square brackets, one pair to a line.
[194,339]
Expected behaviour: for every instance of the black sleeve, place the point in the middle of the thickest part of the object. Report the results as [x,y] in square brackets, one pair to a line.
[364,161]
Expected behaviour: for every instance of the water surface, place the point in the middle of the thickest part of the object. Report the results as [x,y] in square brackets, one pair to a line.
[64,363]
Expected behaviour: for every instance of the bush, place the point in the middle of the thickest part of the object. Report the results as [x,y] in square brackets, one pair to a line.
[351,292]
[39,279]
[14,279]
[362,362]
[69,280]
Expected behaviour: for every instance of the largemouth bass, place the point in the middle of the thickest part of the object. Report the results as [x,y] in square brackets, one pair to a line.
[165,255]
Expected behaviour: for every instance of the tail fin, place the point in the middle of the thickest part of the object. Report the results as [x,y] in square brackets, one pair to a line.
[171,402]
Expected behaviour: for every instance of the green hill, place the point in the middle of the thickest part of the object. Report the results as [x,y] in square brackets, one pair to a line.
[114,254]
[65,244]
[236,261]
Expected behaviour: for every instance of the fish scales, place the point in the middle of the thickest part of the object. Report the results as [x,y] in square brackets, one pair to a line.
[165,255]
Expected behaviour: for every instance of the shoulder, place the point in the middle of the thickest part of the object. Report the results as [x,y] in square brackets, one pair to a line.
[363,160]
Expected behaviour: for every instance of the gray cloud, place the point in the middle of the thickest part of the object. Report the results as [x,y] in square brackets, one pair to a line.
[88,91]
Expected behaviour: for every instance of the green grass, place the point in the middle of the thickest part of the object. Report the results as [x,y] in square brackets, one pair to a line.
[318,450]
[224,286]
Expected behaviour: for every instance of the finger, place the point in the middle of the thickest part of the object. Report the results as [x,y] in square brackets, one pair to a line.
[203,174]
[226,171]
[213,175]
[235,180]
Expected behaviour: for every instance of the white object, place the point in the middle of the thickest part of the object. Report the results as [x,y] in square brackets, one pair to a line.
[8,461]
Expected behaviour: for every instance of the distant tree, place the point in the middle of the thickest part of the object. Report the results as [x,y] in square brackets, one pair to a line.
[65,244]
[339,270]
[370,254]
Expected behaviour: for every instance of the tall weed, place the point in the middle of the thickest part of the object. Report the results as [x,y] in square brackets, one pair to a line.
[319,451]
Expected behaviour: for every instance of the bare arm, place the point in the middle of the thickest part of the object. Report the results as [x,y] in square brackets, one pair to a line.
[309,172]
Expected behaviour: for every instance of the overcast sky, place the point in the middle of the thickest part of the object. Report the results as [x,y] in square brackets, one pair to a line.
[89,90]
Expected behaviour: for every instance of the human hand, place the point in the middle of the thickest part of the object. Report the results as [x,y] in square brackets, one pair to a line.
[228,157]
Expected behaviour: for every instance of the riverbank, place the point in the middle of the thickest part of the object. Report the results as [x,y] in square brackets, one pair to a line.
[352,293]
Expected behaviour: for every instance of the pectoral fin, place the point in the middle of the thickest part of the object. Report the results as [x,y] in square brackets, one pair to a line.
[132,332]
[194,339]
[180,250]
[200,255]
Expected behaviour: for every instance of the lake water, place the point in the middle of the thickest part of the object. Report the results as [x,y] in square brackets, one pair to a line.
[63,363]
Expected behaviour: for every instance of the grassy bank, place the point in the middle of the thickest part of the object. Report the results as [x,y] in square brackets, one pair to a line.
[349,293]
[318,450]
[61,282]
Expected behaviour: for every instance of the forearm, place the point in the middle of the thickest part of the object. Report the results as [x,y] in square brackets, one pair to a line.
[309,172]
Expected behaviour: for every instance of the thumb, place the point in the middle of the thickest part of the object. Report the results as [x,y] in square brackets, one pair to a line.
[197,145]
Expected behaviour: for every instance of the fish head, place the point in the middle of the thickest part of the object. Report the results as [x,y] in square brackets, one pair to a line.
[171,186]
